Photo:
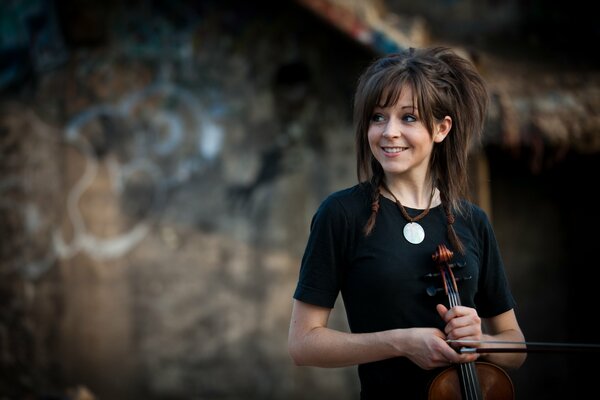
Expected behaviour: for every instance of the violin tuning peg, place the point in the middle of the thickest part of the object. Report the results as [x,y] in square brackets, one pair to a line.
[432,290]
[458,265]
[431,275]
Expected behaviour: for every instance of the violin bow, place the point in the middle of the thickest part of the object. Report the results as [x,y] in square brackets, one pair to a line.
[530,347]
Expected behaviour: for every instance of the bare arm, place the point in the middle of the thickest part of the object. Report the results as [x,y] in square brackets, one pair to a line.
[504,327]
[312,343]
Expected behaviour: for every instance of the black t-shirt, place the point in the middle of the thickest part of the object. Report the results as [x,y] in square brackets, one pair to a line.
[382,277]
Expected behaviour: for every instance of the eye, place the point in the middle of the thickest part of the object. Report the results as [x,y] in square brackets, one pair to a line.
[377,117]
[409,118]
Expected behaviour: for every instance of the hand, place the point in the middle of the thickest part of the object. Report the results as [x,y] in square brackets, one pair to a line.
[461,323]
[428,349]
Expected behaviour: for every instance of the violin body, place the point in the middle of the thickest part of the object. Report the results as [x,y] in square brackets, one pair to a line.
[494,382]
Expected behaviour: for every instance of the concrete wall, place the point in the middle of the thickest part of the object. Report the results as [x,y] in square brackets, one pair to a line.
[160,163]
[158,184]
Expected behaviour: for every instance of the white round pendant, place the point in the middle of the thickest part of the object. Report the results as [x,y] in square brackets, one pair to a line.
[414,233]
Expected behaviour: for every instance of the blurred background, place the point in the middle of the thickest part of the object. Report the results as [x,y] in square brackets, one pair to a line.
[160,162]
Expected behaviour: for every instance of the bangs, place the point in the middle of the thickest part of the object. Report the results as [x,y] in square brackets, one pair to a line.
[390,89]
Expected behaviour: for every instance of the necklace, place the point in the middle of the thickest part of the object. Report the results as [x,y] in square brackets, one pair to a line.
[413,231]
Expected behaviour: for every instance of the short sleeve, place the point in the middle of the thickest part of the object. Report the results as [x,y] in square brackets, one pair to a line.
[494,295]
[324,256]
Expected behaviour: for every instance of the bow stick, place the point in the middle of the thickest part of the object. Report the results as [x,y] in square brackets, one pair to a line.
[531,347]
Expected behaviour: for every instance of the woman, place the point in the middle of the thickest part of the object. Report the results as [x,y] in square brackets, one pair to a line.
[416,115]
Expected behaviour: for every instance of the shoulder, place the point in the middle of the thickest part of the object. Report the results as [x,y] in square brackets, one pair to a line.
[476,218]
[346,203]
[358,193]
[349,198]
[473,212]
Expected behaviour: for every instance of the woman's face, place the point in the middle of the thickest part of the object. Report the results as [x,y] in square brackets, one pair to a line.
[400,141]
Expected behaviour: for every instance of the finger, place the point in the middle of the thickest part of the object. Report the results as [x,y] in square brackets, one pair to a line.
[465,324]
[465,358]
[442,311]
[462,334]
[455,356]
[467,312]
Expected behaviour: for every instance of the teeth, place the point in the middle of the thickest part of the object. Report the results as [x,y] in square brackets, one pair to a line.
[394,149]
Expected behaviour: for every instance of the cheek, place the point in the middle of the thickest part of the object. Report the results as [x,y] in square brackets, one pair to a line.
[373,135]
[373,140]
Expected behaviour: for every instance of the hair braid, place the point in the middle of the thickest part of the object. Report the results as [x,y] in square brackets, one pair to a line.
[375,183]
[452,236]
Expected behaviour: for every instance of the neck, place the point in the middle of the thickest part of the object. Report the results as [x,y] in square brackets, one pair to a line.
[411,194]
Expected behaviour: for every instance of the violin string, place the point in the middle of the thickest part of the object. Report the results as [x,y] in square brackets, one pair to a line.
[467,369]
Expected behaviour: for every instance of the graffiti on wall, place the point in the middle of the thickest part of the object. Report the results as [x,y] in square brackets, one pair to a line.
[149,143]
[165,147]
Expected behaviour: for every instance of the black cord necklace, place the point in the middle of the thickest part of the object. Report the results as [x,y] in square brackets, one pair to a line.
[413,232]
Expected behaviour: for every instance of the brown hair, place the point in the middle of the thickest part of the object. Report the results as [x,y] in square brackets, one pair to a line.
[443,84]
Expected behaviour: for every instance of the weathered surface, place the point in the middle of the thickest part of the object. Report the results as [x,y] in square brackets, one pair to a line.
[157,190]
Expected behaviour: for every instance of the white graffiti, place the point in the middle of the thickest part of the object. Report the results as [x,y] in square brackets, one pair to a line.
[146,160]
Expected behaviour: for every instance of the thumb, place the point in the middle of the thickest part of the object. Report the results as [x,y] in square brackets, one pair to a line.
[442,310]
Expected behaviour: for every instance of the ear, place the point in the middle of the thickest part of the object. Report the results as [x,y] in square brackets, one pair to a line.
[442,129]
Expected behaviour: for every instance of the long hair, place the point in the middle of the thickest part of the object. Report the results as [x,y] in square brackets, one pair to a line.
[443,84]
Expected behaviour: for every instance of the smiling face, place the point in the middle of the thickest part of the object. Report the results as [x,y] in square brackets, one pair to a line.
[400,141]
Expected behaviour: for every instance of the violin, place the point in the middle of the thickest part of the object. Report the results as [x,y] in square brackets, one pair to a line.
[472,380]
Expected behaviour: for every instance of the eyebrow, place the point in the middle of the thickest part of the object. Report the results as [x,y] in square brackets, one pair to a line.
[403,107]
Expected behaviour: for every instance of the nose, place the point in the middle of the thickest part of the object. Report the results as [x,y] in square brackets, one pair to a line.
[392,129]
